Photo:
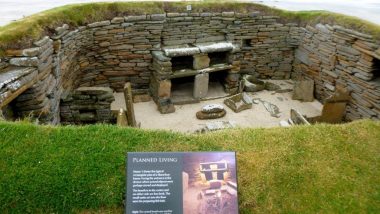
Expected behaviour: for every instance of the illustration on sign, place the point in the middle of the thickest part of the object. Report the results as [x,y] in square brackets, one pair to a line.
[175,183]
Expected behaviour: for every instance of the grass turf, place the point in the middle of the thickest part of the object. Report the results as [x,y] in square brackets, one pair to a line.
[307,169]
[21,33]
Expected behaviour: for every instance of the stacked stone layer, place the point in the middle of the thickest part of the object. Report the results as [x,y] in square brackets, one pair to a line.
[335,57]
[87,105]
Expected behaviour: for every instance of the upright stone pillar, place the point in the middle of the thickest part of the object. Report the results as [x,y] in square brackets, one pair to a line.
[129,104]
[201,85]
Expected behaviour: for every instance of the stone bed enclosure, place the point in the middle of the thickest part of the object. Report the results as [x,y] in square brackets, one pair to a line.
[69,77]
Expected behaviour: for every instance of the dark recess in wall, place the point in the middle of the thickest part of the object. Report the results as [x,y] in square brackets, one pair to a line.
[376,69]
[218,58]
[247,43]
[182,62]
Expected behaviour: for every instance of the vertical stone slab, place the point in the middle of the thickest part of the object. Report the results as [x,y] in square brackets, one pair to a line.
[201,61]
[334,108]
[129,104]
[200,85]
[333,112]
[303,90]
[164,88]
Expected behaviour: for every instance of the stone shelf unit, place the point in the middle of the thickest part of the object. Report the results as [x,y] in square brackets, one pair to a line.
[192,60]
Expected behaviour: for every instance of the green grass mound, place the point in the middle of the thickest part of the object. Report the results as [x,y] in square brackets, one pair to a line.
[21,33]
[307,169]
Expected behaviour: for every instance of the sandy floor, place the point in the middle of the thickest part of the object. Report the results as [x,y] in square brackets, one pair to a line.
[184,120]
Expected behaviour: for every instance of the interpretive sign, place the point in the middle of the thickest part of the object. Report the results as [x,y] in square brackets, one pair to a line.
[181,182]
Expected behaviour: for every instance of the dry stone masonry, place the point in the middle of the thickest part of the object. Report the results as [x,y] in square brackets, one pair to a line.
[151,50]
[339,58]
[87,105]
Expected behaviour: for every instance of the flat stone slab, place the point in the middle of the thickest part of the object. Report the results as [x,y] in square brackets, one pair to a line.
[212,115]
[218,125]
[296,118]
[187,50]
[212,108]
[304,90]
[210,47]
[13,73]
[15,81]
[239,102]
[273,109]
[180,50]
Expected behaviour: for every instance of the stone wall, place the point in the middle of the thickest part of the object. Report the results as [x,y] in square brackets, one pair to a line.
[112,52]
[335,57]
[87,105]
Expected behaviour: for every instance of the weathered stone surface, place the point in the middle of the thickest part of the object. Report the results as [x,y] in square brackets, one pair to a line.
[303,90]
[129,104]
[99,24]
[201,85]
[12,74]
[296,118]
[117,20]
[271,86]
[273,110]
[164,89]
[24,61]
[302,56]
[42,42]
[160,56]
[215,47]
[215,126]
[212,108]
[206,116]
[135,18]
[252,84]
[239,102]
[183,50]
[333,112]
[61,29]
[87,105]
[158,17]
[201,61]
[93,91]
[165,106]
[138,98]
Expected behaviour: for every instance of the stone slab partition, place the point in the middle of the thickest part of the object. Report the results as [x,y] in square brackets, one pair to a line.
[112,52]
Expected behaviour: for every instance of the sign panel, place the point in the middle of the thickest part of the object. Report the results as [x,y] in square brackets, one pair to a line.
[176,183]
